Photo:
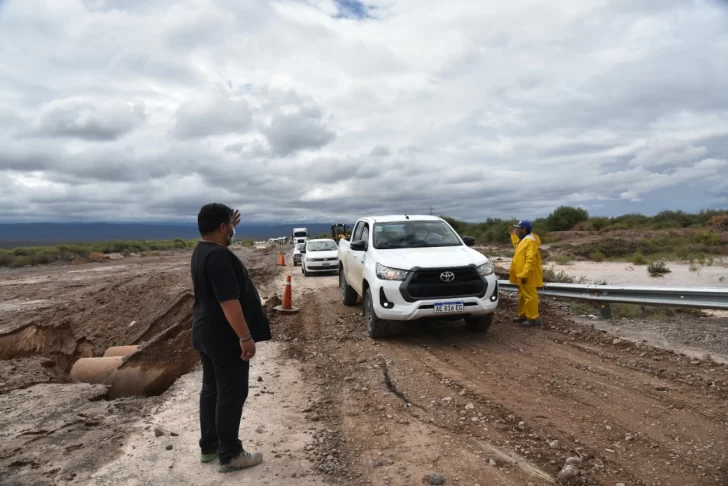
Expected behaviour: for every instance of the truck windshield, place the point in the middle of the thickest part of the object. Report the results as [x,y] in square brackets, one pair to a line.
[299,234]
[414,234]
[322,246]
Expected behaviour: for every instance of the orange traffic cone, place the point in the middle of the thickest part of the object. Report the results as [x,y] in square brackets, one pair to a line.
[287,297]
[287,305]
[281,260]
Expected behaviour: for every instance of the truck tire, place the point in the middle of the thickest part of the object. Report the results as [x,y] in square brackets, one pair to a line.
[348,294]
[479,323]
[377,328]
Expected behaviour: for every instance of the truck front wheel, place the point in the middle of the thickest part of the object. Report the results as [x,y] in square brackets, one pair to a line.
[378,328]
[348,294]
[479,323]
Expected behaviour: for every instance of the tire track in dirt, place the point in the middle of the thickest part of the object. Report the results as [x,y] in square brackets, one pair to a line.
[381,438]
[559,409]
[636,414]
[605,375]
[617,404]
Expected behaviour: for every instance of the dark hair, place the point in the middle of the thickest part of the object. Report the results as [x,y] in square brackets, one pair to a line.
[211,216]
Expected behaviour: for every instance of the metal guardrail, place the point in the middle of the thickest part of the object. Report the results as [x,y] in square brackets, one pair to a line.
[698,298]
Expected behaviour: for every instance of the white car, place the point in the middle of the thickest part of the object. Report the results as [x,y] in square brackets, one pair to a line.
[413,267]
[320,255]
[297,255]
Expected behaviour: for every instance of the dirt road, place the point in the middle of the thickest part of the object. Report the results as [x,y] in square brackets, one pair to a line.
[334,406]
[508,407]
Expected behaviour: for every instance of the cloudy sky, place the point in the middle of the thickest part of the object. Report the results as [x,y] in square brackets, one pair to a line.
[323,110]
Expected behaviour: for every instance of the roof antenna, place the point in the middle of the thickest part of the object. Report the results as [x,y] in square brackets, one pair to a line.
[407,217]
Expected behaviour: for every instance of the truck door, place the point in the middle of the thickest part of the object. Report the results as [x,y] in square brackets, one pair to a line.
[356,259]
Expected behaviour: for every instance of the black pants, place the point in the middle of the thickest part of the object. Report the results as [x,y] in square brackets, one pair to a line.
[224,390]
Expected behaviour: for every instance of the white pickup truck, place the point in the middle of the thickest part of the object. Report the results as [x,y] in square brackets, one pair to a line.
[413,267]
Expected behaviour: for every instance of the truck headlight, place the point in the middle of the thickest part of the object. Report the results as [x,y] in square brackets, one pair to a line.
[386,273]
[485,269]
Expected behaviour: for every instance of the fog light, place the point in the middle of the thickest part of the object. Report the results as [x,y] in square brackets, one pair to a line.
[383,300]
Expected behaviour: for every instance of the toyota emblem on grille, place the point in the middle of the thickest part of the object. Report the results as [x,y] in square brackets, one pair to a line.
[447,276]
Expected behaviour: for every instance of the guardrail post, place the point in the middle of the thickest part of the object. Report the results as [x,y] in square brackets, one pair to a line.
[606,310]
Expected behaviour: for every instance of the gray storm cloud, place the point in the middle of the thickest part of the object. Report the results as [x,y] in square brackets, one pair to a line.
[299,111]
[88,119]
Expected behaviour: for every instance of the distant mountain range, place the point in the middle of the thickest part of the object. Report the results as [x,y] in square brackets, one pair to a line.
[39,234]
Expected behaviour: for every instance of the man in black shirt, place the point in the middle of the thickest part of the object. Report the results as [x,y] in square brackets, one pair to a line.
[228,319]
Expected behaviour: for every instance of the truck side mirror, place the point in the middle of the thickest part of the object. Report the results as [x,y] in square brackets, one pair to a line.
[469,240]
[359,245]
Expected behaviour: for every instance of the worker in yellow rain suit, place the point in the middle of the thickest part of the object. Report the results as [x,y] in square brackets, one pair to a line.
[526,271]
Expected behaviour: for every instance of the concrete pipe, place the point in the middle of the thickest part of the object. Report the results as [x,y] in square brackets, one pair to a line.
[136,381]
[120,351]
[95,370]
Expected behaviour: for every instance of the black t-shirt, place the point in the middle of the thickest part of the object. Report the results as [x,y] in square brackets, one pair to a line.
[218,275]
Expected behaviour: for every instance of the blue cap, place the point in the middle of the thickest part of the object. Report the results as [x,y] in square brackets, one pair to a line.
[524,223]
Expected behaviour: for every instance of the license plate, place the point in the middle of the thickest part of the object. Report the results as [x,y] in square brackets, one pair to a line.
[449,307]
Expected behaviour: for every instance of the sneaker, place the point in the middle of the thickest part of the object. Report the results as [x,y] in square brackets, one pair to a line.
[208,456]
[520,319]
[244,460]
[531,323]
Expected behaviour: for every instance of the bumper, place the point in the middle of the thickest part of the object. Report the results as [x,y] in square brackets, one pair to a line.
[322,266]
[390,305]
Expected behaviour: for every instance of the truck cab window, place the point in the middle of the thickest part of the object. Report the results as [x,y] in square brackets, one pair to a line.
[357,232]
[365,233]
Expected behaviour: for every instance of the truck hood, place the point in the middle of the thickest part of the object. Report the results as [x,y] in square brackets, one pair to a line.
[438,257]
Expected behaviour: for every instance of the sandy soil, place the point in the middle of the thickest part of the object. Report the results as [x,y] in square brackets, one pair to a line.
[53,433]
[504,408]
[39,344]
[623,273]
[272,423]
[715,275]
[704,339]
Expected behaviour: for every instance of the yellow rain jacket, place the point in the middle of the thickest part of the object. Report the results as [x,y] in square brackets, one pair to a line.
[527,261]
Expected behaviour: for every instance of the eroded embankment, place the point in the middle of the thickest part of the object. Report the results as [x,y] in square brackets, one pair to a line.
[126,306]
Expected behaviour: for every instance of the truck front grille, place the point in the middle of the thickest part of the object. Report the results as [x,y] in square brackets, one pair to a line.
[426,284]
